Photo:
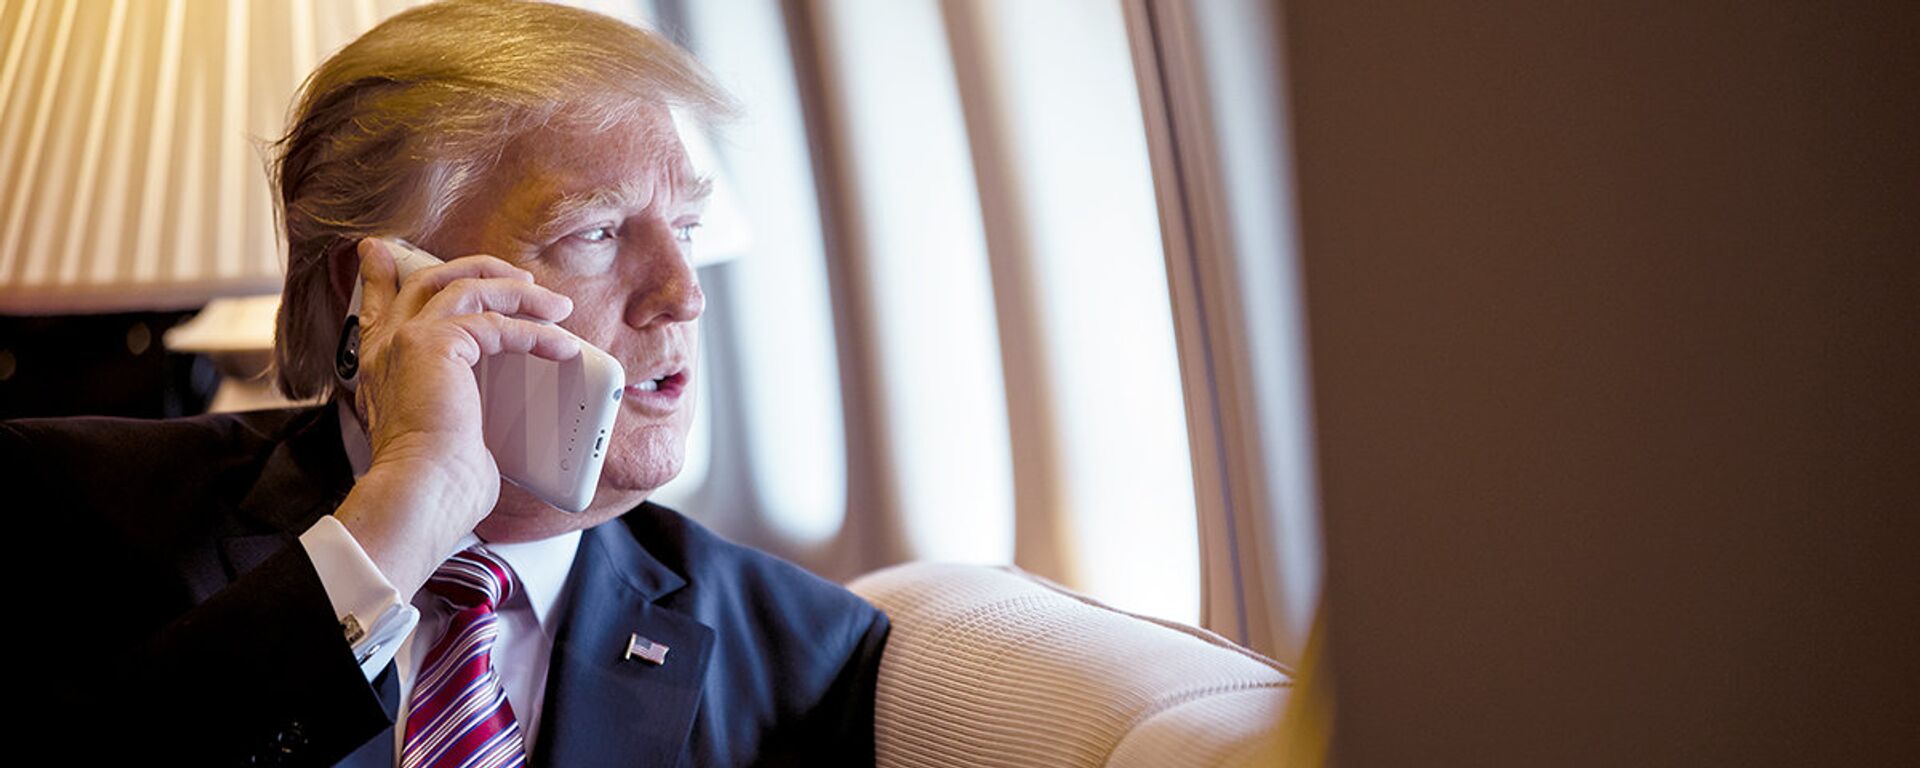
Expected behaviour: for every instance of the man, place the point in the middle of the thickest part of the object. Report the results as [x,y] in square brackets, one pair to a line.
[262,588]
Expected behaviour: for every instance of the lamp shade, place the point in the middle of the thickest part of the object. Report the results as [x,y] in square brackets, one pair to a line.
[131,135]
[130,171]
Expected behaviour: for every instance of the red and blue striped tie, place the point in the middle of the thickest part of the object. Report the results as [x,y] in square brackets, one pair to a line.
[460,715]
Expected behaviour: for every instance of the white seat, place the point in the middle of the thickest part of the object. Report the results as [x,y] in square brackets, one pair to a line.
[995,667]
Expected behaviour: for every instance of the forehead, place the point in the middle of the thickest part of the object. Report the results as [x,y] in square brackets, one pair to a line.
[563,159]
[546,172]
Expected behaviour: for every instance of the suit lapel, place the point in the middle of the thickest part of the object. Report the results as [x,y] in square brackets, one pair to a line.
[603,708]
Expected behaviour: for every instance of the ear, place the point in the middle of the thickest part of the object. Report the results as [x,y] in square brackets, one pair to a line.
[343,270]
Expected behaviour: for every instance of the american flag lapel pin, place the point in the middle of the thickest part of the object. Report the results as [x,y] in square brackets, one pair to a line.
[647,650]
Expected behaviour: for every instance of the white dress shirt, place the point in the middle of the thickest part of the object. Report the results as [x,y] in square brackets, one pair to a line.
[383,628]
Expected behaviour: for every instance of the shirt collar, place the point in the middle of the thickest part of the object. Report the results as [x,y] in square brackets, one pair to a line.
[542,567]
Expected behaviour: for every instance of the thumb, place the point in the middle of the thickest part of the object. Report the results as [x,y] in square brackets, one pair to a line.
[377,278]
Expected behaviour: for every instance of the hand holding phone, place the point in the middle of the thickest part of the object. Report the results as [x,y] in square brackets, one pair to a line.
[547,423]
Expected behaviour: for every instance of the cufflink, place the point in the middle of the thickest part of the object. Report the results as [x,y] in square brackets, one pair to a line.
[647,650]
[350,626]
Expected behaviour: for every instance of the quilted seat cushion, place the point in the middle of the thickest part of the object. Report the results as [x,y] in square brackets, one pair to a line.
[995,667]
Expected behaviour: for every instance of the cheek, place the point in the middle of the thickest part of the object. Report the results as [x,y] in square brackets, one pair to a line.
[596,313]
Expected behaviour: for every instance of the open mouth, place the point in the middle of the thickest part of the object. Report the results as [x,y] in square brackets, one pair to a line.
[665,387]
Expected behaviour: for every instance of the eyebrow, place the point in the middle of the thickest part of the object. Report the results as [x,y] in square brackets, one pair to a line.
[689,189]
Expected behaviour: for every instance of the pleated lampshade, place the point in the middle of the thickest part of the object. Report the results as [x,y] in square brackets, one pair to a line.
[130,171]
[131,136]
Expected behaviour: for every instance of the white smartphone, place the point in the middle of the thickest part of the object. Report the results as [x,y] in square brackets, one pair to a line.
[547,423]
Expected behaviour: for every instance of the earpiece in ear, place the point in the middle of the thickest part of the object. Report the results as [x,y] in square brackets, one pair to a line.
[346,360]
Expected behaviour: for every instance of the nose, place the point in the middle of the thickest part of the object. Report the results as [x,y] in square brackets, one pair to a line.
[668,289]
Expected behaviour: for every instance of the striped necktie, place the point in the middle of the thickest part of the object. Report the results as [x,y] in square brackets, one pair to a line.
[460,715]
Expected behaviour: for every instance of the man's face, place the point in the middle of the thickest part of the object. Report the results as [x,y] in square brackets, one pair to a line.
[606,217]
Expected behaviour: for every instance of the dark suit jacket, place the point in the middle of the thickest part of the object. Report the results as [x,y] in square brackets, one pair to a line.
[175,619]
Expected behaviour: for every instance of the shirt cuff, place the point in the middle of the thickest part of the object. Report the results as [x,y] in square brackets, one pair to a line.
[372,616]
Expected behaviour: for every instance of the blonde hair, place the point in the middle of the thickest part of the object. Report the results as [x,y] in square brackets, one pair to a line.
[392,132]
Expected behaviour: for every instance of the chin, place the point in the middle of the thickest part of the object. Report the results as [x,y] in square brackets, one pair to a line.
[650,459]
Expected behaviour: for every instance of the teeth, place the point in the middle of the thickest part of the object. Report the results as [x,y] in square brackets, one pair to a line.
[650,385]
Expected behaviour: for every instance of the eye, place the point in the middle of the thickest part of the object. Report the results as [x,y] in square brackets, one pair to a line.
[596,234]
[684,232]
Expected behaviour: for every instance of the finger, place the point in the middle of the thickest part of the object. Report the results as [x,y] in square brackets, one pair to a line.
[492,333]
[421,286]
[507,296]
[377,284]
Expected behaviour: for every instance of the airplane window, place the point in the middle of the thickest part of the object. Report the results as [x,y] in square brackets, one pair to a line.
[1005,274]
[927,278]
[1058,76]
[931,337]
[769,326]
